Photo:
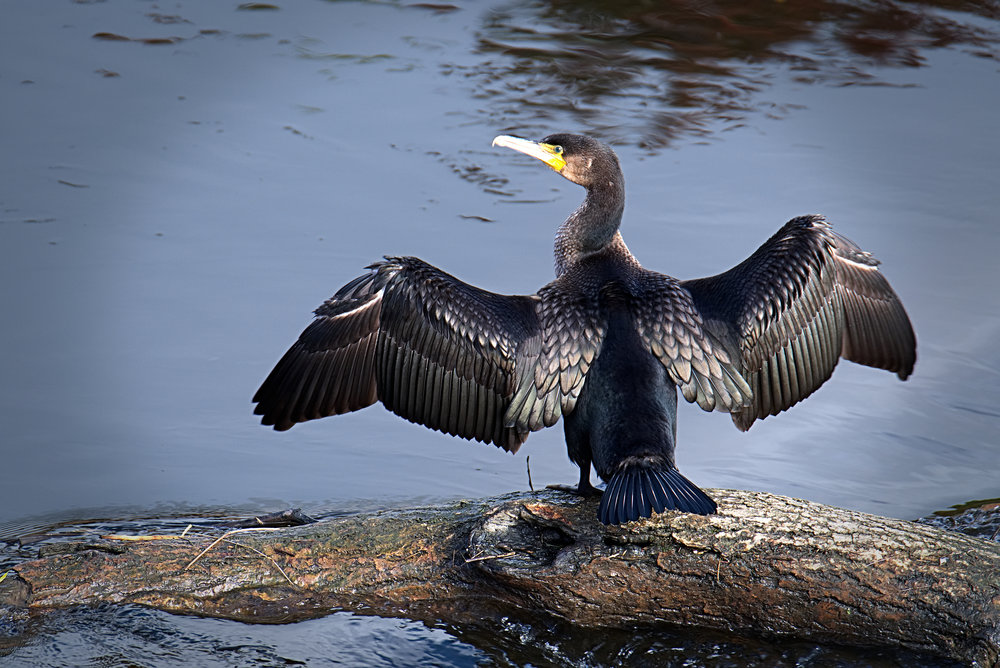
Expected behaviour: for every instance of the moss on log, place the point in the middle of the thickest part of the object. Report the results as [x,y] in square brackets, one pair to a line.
[765,566]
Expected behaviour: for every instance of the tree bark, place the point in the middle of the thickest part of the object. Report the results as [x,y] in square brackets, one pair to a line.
[763,566]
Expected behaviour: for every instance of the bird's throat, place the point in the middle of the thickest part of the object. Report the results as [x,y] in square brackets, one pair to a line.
[591,228]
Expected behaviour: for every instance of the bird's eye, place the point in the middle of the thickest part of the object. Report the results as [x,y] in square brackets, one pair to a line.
[558,150]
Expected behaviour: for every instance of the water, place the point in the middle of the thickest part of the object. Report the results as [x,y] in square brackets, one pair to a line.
[172,212]
[131,636]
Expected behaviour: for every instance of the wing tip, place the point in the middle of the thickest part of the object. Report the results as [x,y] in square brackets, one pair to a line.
[271,418]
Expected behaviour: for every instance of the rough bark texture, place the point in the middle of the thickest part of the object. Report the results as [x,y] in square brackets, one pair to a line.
[764,565]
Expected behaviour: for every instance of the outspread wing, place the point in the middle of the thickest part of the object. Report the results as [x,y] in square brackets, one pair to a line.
[696,360]
[431,348]
[789,312]
[331,368]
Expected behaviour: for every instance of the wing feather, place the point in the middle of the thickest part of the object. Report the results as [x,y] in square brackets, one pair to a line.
[807,297]
[433,349]
[696,360]
[553,365]
[878,330]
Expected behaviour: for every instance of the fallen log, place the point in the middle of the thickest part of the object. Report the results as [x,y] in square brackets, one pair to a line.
[765,566]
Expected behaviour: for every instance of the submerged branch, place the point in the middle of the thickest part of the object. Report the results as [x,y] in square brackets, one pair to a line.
[763,566]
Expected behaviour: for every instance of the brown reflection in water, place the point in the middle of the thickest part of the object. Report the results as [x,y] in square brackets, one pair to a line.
[694,67]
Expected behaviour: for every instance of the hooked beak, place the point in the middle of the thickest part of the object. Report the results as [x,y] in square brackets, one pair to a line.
[549,154]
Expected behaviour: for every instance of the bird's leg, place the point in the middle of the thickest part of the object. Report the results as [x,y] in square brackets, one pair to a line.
[583,488]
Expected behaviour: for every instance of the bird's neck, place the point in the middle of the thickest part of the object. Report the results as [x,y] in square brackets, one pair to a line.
[592,227]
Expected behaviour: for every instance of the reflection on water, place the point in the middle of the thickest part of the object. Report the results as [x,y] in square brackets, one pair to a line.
[132,636]
[126,635]
[634,71]
[175,203]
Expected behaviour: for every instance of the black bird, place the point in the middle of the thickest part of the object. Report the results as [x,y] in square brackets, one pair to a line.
[604,345]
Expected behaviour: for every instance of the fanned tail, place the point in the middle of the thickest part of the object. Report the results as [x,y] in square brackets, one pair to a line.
[640,490]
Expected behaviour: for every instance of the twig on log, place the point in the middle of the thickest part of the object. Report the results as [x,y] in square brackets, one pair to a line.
[224,538]
[490,556]
[117,536]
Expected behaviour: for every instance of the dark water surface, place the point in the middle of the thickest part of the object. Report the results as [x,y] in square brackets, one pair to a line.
[182,183]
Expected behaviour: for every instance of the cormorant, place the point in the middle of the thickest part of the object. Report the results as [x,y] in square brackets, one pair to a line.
[604,345]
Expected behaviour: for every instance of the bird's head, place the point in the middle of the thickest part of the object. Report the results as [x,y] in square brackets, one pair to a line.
[580,159]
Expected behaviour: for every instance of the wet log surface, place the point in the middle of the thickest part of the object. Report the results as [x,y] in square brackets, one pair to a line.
[764,566]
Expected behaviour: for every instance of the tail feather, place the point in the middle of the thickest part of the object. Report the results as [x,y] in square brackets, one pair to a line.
[639,491]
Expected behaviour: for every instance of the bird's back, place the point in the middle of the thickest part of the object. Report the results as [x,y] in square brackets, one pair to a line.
[628,406]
